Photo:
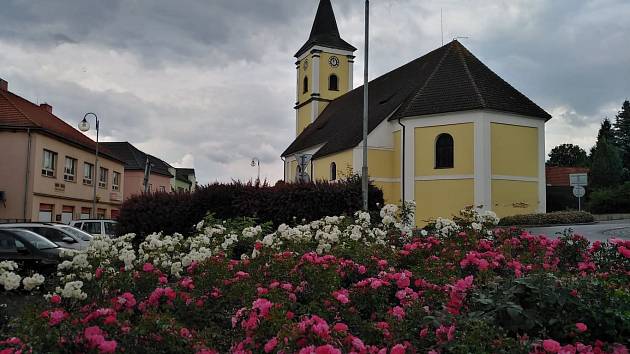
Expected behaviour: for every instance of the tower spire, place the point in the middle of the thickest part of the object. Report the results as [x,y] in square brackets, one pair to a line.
[325,31]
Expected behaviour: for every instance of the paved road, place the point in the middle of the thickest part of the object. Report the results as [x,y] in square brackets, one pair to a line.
[602,230]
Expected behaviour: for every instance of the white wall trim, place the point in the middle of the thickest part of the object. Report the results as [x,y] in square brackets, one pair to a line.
[324,49]
[385,179]
[482,162]
[542,179]
[515,178]
[381,148]
[350,74]
[315,74]
[443,177]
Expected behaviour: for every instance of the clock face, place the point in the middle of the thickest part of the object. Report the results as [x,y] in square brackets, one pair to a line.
[333,61]
[305,64]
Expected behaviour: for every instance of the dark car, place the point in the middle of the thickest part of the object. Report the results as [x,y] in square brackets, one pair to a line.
[51,232]
[28,249]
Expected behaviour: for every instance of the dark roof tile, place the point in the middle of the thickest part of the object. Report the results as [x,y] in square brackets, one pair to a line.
[135,159]
[325,31]
[19,113]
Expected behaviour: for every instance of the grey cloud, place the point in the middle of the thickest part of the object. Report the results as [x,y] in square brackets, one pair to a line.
[561,54]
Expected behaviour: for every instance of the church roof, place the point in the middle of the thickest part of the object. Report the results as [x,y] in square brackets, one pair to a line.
[324,31]
[448,79]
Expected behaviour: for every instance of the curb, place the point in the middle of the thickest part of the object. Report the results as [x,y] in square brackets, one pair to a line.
[553,225]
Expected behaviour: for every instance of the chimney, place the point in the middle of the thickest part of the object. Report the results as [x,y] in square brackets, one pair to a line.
[46,107]
[4,85]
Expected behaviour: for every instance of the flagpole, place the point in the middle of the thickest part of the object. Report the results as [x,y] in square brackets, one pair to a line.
[364,169]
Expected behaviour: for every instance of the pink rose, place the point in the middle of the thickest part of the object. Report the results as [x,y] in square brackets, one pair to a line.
[271,344]
[55,299]
[581,327]
[107,346]
[398,349]
[148,267]
[551,345]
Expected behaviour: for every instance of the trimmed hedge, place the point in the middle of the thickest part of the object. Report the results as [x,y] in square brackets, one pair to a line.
[179,212]
[610,200]
[557,217]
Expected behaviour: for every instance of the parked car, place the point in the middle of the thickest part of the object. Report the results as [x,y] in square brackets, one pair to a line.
[75,232]
[96,226]
[52,233]
[28,249]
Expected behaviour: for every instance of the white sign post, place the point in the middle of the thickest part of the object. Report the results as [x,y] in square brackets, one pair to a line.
[578,181]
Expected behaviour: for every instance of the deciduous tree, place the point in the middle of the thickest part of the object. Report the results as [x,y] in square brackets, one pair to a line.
[567,155]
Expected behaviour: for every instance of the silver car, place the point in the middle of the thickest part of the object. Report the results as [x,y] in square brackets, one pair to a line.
[52,233]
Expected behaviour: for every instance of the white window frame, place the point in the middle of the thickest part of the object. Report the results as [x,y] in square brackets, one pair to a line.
[49,171]
[70,175]
[86,180]
[102,183]
[116,181]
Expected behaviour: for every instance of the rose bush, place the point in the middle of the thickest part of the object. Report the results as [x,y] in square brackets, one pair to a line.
[339,284]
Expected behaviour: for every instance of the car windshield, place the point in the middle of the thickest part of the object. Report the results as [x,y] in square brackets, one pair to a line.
[36,240]
[77,233]
[110,228]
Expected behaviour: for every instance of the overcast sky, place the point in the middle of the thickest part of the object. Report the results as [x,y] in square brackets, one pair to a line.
[210,83]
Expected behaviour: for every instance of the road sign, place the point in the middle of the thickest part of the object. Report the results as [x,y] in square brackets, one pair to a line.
[579,191]
[578,179]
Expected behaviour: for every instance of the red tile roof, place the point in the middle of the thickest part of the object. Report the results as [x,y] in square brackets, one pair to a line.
[19,113]
[559,176]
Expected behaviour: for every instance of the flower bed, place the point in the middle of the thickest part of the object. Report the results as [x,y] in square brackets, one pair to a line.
[337,285]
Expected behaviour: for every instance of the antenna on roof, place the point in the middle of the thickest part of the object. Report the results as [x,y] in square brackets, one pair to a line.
[441,26]
[460,37]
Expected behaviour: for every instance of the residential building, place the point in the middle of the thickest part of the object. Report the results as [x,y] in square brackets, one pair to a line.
[135,164]
[184,180]
[47,167]
[445,131]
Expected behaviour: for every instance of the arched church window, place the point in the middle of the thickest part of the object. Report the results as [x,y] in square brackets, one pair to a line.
[333,83]
[305,86]
[444,151]
[333,171]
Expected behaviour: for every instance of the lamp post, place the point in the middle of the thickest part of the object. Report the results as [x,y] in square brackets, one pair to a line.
[85,126]
[256,161]
[364,167]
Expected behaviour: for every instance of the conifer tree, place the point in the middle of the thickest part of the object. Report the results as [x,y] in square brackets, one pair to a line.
[622,132]
[606,167]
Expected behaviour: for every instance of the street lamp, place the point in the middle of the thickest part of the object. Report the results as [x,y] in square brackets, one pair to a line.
[84,126]
[256,161]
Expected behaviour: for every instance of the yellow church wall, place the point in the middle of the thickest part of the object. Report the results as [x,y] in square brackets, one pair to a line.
[391,191]
[514,197]
[304,118]
[343,161]
[442,198]
[463,145]
[303,96]
[325,70]
[514,150]
[397,155]
[292,170]
[380,162]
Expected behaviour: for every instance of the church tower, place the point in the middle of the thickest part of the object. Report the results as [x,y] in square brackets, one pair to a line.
[324,67]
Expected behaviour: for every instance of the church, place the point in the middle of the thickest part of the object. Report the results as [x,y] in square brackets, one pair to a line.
[444,130]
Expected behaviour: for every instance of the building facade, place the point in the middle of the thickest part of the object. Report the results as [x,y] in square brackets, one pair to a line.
[184,180]
[160,176]
[444,130]
[47,171]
